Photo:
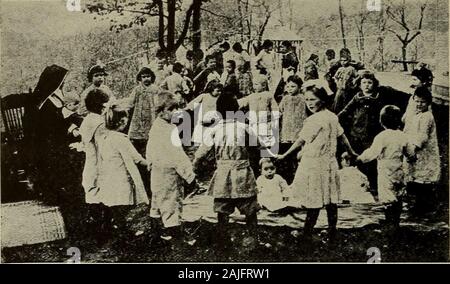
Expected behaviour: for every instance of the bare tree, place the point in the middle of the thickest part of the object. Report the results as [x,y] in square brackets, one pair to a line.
[359,22]
[398,15]
[165,11]
[341,18]
[381,24]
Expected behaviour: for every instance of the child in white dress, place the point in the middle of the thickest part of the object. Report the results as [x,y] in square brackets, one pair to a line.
[389,148]
[273,190]
[424,172]
[204,107]
[119,181]
[316,182]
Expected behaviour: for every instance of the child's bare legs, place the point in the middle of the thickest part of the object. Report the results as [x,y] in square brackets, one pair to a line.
[332,215]
[311,219]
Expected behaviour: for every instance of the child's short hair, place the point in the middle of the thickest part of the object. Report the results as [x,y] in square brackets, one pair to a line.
[318,90]
[262,80]
[95,99]
[237,47]
[226,103]
[177,67]
[190,53]
[225,45]
[165,100]
[295,79]
[232,63]
[391,117]
[424,93]
[212,85]
[263,161]
[330,52]
[145,71]
[198,54]
[366,74]
[114,115]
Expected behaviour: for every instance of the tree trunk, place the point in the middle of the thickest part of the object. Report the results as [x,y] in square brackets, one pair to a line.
[196,25]
[341,16]
[171,5]
[405,65]
[241,19]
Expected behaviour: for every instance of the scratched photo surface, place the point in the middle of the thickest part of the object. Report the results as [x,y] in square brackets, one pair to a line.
[211,131]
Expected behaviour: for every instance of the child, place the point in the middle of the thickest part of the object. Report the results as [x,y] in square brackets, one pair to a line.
[361,120]
[206,106]
[262,108]
[175,82]
[354,184]
[273,190]
[92,130]
[188,84]
[142,103]
[71,116]
[119,181]
[245,79]
[316,182]
[389,148]
[344,82]
[96,76]
[229,78]
[424,173]
[293,114]
[233,184]
[170,167]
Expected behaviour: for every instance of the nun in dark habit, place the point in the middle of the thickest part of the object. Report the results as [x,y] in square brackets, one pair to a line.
[49,134]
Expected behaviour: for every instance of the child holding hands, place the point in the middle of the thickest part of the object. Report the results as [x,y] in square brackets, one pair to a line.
[316,181]
[170,167]
[389,148]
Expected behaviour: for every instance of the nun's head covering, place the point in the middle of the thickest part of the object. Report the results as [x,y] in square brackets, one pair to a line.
[50,80]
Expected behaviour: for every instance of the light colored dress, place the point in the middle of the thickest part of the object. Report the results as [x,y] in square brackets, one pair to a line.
[92,129]
[354,186]
[293,111]
[316,181]
[170,168]
[272,191]
[233,177]
[119,180]
[205,113]
[389,149]
[421,131]
[264,114]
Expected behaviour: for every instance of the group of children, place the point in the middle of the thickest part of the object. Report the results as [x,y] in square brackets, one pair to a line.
[119,170]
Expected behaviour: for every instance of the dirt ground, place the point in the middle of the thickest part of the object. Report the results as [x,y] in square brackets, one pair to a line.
[275,244]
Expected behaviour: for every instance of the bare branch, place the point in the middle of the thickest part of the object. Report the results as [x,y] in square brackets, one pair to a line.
[215,14]
[422,10]
[396,34]
[393,17]
[187,20]
[413,37]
